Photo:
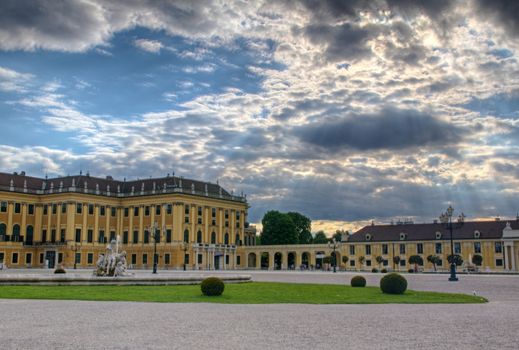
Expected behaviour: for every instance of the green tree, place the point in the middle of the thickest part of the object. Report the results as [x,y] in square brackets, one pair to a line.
[339,234]
[477,259]
[303,227]
[396,261]
[258,239]
[278,228]
[434,260]
[458,260]
[416,260]
[345,259]
[320,238]
[379,260]
[361,260]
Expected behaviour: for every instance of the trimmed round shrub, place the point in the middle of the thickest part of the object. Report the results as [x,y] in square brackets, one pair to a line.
[212,286]
[60,270]
[358,281]
[410,270]
[374,269]
[383,270]
[393,283]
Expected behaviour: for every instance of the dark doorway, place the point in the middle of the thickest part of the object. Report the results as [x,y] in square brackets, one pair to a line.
[50,255]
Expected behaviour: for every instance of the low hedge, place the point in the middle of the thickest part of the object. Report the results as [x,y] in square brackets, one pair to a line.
[374,269]
[212,286]
[358,281]
[383,270]
[393,283]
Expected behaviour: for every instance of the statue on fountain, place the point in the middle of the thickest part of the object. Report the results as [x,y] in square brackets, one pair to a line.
[112,263]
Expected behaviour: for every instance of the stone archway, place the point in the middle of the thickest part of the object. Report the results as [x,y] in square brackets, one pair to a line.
[251,263]
[291,259]
[305,260]
[319,260]
[278,261]
[265,261]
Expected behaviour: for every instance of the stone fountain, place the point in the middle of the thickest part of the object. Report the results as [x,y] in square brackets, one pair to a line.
[112,263]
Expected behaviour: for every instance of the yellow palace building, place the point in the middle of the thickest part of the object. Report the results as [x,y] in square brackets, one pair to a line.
[69,220]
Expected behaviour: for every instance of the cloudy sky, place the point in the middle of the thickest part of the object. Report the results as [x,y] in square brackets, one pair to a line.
[346,111]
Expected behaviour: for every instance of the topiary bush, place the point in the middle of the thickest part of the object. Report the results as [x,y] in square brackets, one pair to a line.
[358,281]
[383,270]
[212,286]
[393,283]
[374,269]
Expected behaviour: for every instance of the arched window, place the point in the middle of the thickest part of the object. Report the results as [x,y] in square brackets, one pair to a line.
[226,239]
[3,230]
[186,235]
[16,233]
[213,238]
[237,240]
[199,237]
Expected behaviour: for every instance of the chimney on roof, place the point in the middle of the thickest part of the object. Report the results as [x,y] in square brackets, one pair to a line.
[15,173]
[22,173]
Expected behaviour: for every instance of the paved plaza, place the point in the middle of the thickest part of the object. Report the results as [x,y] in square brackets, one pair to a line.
[130,325]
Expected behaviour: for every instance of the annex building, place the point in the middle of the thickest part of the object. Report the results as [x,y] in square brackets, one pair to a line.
[69,220]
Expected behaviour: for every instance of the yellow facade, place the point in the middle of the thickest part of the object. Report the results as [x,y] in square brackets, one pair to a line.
[197,229]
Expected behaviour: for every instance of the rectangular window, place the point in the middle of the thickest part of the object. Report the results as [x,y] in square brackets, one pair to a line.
[439,262]
[135,211]
[146,237]
[45,209]
[419,248]
[126,212]
[146,211]
[186,258]
[186,209]
[63,208]
[200,258]
[457,248]
[102,210]
[169,209]
[402,248]
[101,237]
[213,222]
[499,262]
[227,224]
[352,250]
[384,249]
[78,258]
[368,249]
[498,247]
[402,262]
[167,259]
[168,236]
[28,258]
[14,258]
[438,248]
[368,262]
[79,208]
[352,263]
[112,236]
[90,236]
[144,259]
[385,262]
[17,208]
[125,237]
[90,258]
[199,221]
[53,236]
[157,210]
[113,211]
[42,257]
[78,235]
[227,259]
[477,247]
[30,209]
[135,237]
[213,212]
[62,235]
[186,219]
[44,235]
[90,209]
[199,211]
[238,260]
[60,258]
[134,259]
[3,207]
[226,214]
[54,208]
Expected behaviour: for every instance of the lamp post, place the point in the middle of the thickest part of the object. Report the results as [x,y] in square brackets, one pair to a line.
[74,249]
[185,247]
[334,245]
[155,233]
[446,220]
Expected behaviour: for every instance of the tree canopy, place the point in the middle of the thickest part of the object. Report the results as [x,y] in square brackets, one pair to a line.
[278,228]
[303,227]
[320,238]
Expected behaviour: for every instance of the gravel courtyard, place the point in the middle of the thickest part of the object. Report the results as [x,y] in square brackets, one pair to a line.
[128,325]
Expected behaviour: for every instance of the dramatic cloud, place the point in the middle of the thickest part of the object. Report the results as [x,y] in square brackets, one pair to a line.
[153,46]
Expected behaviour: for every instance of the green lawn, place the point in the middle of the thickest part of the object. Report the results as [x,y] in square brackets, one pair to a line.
[243,293]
